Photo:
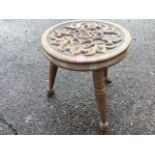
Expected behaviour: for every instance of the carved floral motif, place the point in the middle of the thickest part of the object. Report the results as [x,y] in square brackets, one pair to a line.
[86,38]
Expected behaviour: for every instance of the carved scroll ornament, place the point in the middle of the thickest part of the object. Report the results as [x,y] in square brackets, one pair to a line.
[86,38]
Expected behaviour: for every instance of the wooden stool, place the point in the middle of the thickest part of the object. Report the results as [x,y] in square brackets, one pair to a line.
[86,45]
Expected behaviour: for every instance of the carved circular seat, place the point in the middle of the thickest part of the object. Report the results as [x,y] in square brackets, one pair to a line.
[90,44]
[85,45]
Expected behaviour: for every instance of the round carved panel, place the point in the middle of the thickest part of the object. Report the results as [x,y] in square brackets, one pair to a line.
[86,38]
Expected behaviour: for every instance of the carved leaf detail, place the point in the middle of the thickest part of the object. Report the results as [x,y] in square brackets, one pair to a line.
[86,38]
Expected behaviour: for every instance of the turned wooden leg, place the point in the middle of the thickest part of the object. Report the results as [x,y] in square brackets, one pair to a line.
[107,80]
[52,74]
[100,88]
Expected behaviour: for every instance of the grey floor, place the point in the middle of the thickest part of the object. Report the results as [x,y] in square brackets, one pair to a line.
[25,109]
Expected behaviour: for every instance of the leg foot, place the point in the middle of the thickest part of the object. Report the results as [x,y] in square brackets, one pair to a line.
[104,126]
[52,75]
[50,93]
[107,80]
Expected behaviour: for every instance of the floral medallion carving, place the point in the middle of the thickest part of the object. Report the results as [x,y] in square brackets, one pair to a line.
[85,38]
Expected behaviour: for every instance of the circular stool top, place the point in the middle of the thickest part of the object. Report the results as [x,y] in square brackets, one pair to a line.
[85,41]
